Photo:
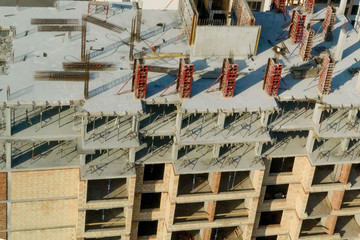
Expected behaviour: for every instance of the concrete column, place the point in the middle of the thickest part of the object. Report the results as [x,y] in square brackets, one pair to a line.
[344,173]
[258,148]
[216,150]
[84,122]
[132,152]
[336,199]
[330,223]
[357,87]
[228,19]
[264,118]
[82,159]
[206,234]
[342,7]
[353,114]
[310,142]
[344,144]
[214,181]
[317,114]
[8,121]
[8,155]
[178,123]
[210,208]
[267,4]
[340,44]
[221,120]
[135,123]
[175,151]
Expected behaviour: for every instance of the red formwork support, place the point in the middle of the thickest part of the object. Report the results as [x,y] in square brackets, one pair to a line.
[325,77]
[306,44]
[140,74]
[184,79]
[297,26]
[228,78]
[329,23]
[280,5]
[309,6]
[272,77]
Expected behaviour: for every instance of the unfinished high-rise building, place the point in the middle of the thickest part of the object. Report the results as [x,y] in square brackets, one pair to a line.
[178,120]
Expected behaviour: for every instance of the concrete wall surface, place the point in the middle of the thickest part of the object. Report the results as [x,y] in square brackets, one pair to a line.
[220,43]
[160,4]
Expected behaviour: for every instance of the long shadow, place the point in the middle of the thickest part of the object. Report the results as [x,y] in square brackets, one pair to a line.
[249,80]
[351,49]
[341,78]
[109,85]
[159,85]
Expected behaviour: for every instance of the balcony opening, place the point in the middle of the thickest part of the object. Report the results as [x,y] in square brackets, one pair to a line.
[105,219]
[194,183]
[318,205]
[347,227]
[154,172]
[270,218]
[282,165]
[267,238]
[186,235]
[230,233]
[187,212]
[235,181]
[276,191]
[324,174]
[158,119]
[107,189]
[147,228]
[351,199]
[150,201]
[311,227]
[155,150]
[231,209]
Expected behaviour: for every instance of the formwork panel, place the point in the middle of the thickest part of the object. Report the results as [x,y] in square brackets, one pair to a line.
[272,77]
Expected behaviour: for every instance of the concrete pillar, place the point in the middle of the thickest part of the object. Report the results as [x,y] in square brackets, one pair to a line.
[310,142]
[340,44]
[344,145]
[221,120]
[132,152]
[175,151]
[344,173]
[135,124]
[336,199]
[342,7]
[8,155]
[210,208]
[258,148]
[357,87]
[8,121]
[178,123]
[214,181]
[264,118]
[206,234]
[317,114]
[216,150]
[267,4]
[330,223]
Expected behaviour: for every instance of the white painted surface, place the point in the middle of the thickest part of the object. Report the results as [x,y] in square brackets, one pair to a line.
[160,4]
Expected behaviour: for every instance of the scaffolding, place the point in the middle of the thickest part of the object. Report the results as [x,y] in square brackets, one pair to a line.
[307,43]
[325,76]
[329,23]
[272,77]
[297,24]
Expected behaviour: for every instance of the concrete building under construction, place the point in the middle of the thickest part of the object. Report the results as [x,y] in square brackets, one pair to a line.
[180,119]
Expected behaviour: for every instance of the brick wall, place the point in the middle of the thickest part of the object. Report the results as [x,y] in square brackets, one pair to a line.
[44,184]
[3,186]
[2,216]
[43,214]
[49,234]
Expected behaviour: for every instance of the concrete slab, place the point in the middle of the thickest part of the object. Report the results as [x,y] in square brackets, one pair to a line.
[286,144]
[110,164]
